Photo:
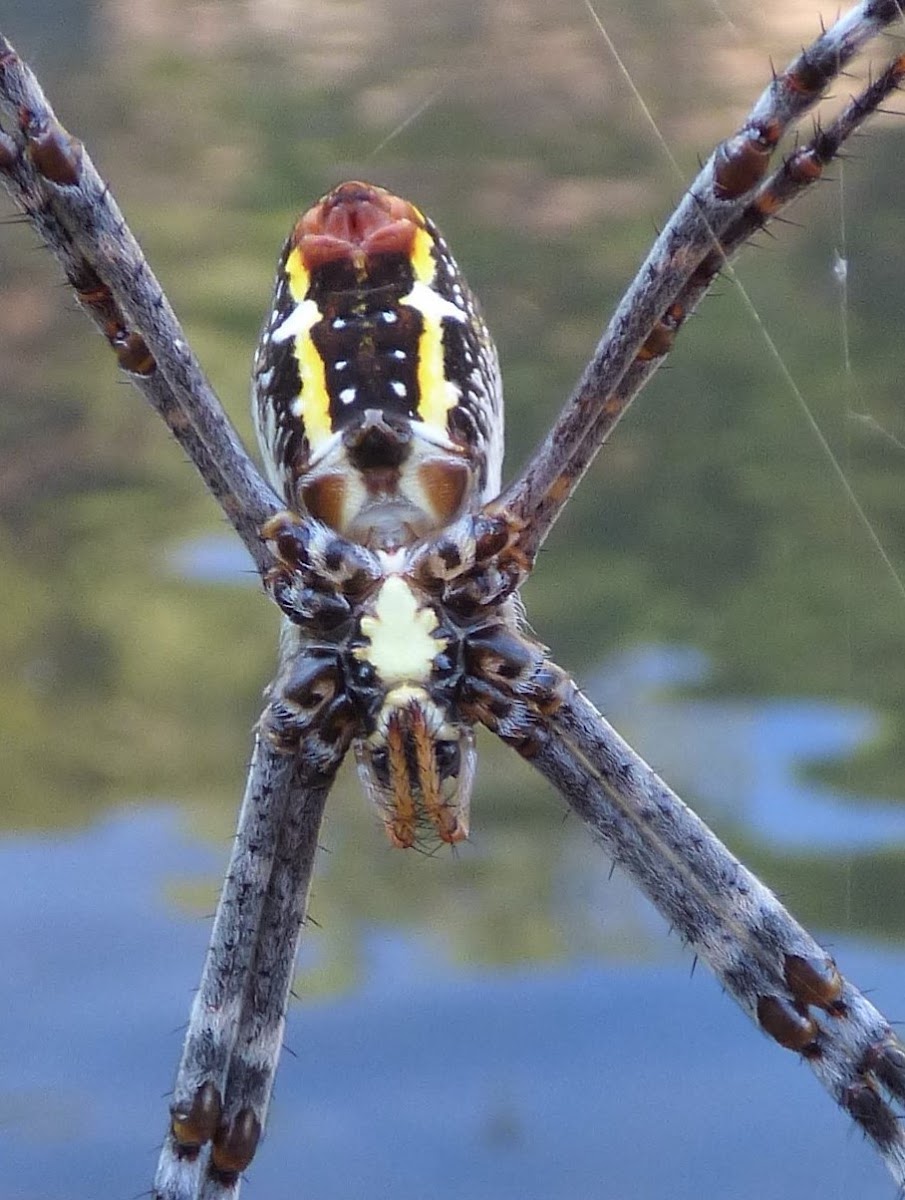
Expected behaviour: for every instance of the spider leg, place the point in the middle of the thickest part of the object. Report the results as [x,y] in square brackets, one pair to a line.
[234,1034]
[682,264]
[781,977]
[235,1031]
[196,1108]
[97,301]
[799,171]
[260,1037]
[53,181]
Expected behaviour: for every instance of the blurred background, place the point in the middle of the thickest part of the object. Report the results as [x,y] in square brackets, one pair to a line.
[508,1021]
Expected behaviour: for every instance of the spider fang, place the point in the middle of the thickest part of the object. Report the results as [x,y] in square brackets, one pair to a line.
[418,769]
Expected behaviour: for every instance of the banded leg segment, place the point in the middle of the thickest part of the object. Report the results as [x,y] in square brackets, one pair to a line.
[773,968]
[800,170]
[196,1108]
[643,326]
[259,1042]
[96,300]
[52,179]
[769,963]
[269,873]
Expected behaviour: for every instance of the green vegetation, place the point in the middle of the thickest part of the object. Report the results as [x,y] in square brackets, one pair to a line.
[713,519]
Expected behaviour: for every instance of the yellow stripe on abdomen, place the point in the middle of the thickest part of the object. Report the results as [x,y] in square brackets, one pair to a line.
[312,405]
[436,394]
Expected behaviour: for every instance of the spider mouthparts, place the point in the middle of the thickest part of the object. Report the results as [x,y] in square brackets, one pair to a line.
[418,769]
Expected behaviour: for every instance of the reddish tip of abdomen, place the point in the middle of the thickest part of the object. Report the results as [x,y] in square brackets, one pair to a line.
[355,221]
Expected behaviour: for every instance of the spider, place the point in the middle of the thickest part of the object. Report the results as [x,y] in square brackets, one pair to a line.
[456,580]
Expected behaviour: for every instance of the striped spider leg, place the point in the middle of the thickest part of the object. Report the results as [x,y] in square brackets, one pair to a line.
[701,233]
[283,794]
[463,578]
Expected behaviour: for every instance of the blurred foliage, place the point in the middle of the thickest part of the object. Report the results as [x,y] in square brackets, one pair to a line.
[713,519]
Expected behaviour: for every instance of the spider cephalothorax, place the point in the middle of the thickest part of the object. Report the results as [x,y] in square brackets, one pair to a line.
[399,653]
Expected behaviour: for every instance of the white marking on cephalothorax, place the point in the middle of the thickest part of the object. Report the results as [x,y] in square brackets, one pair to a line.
[392,561]
[347,395]
[399,355]
[407,696]
[399,389]
[400,647]
[340,364]
[404,695]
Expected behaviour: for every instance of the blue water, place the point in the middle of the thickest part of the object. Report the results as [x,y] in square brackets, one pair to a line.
[746,760]
[581,1081]
[436,1078]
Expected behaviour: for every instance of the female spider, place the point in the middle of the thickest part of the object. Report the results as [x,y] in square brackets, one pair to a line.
[775,1024]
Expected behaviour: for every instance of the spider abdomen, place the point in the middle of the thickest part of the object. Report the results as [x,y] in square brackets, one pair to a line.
[377,395]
